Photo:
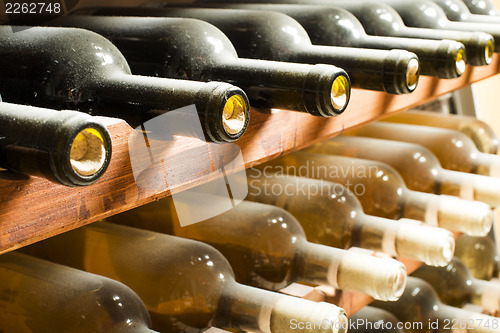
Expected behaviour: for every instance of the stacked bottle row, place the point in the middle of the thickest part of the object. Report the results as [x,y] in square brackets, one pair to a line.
[219,58]
[226,271]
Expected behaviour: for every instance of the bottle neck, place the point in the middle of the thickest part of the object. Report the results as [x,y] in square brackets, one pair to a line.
[320,90]
[201,109]
[443,58]
[450,318]
[496,267]
[471,217]
[470,186]
[257,310]
[394,71]
[405,238]
[487,164]
[479,46]
[486,294]
[491,29]
[351,270]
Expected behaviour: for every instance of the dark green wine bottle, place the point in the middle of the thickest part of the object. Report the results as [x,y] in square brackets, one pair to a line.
[420,308]
[457,11]
[379,19]
[482,7]
[40,296]
[374,320]
[65,68]
[427,14]
[326,25]
[274,36]
[195,50]
[67,147]
[456,287]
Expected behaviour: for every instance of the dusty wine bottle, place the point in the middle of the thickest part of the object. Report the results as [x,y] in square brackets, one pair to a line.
[444,59]
[456,287]
[187,286]
[320,90]
[421,307]
[267,248]
[379,19]
[482,7]
[383,193]
[40,296]
[38,67]
[480,256]
[478,131]
[68,147]
[394,71]
[326,26]
[330,214]
[457,11]
[370,319]
[417,165]
[454,150]
[427,14]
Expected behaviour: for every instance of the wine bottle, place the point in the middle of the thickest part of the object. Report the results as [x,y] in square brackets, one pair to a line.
[370,319]
[480,256]
[40,296]
[383,193]
[444,59]
[417,165]
[187,286]
[39,68]
[320,90]
[481,7]
[267,248]
[67,147]
[427,14]
[478,131]
[420,307]
[456,287]
[457,11]
[454,150]
[395,71]
[467,289]
[379,19]
[330,214]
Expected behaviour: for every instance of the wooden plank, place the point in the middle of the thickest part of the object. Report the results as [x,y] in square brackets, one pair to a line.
[32,209]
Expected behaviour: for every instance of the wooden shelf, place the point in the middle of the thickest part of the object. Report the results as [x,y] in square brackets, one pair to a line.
[32,209]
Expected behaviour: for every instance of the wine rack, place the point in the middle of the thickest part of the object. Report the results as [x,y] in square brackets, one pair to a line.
[32,209]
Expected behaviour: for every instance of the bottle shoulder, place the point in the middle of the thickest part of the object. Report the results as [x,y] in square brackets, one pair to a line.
[377,18]
[422,14]
[326,25]
[259,33]
[79,53]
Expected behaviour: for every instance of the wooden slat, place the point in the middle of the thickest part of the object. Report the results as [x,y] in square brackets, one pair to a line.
[32,209]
